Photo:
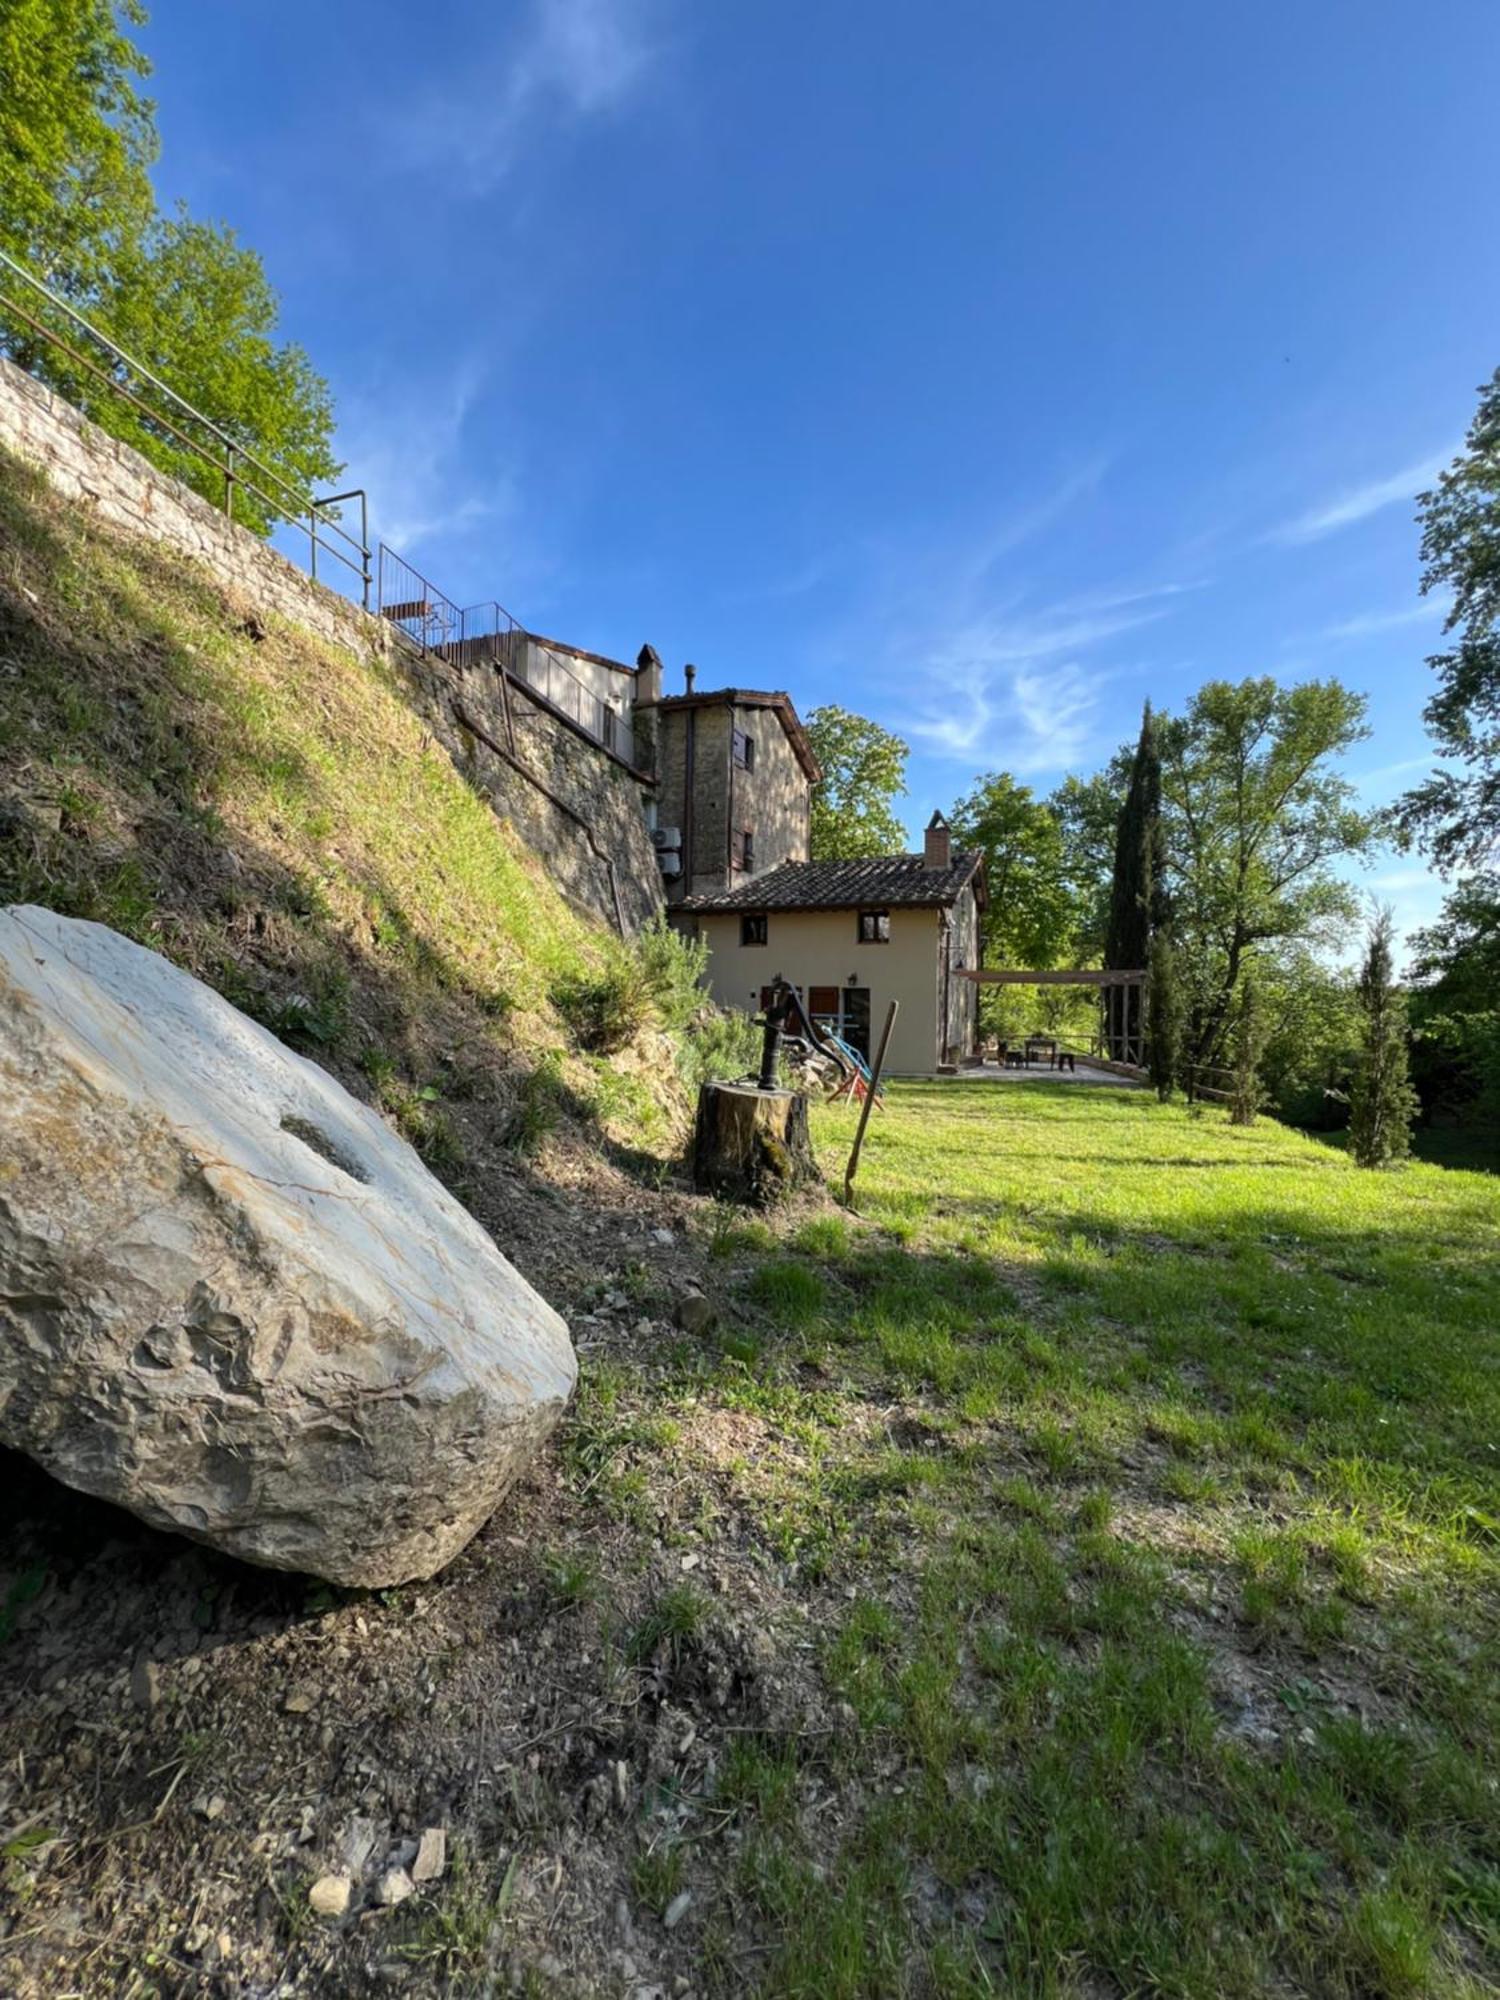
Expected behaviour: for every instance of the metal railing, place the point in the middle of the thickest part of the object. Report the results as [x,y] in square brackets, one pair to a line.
[541,668]
[237,466]
[485,635]
[477,635]
[415,604]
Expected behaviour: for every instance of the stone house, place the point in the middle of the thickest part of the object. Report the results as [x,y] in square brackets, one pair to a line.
[853,935]
[735,773]
[728,776]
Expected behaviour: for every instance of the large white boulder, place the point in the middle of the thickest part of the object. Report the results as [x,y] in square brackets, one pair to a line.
[230,1298]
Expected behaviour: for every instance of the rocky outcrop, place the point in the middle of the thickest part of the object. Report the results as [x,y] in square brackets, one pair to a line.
[231,1299]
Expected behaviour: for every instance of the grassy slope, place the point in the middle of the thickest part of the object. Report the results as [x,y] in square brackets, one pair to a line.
[268,811]
[1139,1480]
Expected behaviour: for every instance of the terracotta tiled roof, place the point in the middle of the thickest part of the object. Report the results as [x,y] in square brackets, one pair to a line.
[888,881]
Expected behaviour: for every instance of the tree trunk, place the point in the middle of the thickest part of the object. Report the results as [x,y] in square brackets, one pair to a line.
[751,1145]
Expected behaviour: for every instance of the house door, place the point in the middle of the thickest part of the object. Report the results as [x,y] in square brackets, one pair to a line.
[843,1011]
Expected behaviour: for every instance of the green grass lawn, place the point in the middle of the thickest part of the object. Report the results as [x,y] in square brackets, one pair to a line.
[1143,1476]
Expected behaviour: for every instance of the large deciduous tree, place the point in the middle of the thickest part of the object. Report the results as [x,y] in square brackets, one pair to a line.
[1456,813]
[1031,915]
[1030,918]
[77,142]
[1088,817]
[197,308]
[1455,1003]
[864,773]
[1255,816]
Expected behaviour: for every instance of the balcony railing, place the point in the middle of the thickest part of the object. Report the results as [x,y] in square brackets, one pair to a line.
[539,667]
[486,635]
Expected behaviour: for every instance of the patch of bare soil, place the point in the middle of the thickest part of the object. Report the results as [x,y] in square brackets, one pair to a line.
[189,1745]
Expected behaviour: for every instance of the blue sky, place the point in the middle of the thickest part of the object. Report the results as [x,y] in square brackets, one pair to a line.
[986,368]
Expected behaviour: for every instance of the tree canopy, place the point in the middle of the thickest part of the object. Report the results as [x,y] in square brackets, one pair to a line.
[1382,1102]
[1456,813]
[1031,916]
[1088,816]
[864,772]
[77,142]
[1254,816]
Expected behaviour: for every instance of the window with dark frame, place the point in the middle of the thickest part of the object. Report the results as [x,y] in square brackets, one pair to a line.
[874,926]
[753,928]
[742,745]
[746,856]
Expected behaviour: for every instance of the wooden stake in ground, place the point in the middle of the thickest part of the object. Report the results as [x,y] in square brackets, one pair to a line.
[864,1109]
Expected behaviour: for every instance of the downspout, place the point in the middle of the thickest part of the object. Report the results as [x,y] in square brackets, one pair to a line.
[729,813]
[552,799]
[687,799]
[945,925]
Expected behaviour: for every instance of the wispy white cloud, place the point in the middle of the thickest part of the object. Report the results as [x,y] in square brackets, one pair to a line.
[1414,877]
[1033,519]
[989,672]
[406,448]
[1360,502]
[564,63]
[1016,690]
[1371,624]
[1369,783]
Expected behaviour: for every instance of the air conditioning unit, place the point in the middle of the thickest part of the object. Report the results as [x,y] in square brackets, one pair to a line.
[669,861]
[666,836]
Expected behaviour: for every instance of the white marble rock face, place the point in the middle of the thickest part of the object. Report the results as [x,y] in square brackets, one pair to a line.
[231,1299]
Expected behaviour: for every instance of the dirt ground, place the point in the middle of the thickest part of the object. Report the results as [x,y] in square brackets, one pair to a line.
[187,1744]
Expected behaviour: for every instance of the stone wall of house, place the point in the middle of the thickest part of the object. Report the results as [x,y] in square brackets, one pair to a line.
[723,800]
[578,808]
[774,798]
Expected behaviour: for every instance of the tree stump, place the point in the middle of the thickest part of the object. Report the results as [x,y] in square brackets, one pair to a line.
[751,1145]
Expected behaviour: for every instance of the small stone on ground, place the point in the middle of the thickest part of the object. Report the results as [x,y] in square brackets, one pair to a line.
[329,1895]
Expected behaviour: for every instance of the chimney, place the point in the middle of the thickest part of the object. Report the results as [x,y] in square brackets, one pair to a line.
[937,843]
[647,677]
[689,675]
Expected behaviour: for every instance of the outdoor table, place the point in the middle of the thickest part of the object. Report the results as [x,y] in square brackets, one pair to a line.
[1041,1045]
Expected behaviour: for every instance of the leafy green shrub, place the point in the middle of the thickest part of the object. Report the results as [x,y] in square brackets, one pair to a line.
[605,1010]
[539,1105]
[672,968]
[720,1046]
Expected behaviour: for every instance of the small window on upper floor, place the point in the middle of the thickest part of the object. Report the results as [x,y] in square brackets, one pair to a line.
[753,928]
[744,852]
[742,746]
[874,926]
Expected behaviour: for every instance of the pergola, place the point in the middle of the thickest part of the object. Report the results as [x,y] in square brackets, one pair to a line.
[1123,1026]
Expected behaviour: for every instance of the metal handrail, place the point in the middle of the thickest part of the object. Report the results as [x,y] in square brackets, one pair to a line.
[236,455]
[479,634]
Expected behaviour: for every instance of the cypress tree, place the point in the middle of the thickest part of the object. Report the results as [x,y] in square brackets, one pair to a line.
[1382,1102]
[1164,1013]
[1137,891]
